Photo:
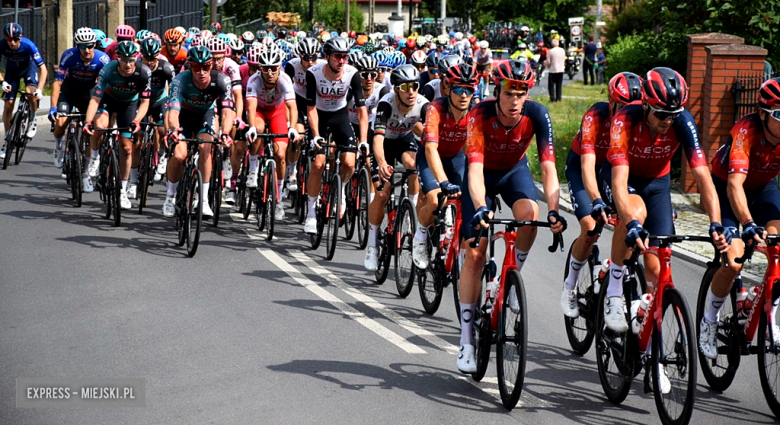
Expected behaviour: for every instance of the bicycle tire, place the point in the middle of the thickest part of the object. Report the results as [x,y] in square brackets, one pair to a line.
[682,371]
[615,384]
[333,216]
[350,215]
[719,373]
[364,196]
[182,202]
[512,348]
[194,212]
[302,207]
[404,228]
[215,188]
[76,170]
[115,184]
[483,335]
[581,330]
[767,377]
[383,262]
[10,143]
[23,139]
[455,282]
[271,186]
[431,290]
[319,211]
[144,168]
[242,193]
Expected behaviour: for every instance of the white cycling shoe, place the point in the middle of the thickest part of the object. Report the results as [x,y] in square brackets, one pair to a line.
[292,184]
[614,314]
[279,213]
[169,207]
[132,191]
[87,186]
[371,262]
[94,167]
[251,179]
[310,226]
[124,202]
[569,303]
[708,333]
[420,253]
[467,362]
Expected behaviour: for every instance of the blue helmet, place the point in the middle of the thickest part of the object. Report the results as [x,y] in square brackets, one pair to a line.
[398,59]
[12,29]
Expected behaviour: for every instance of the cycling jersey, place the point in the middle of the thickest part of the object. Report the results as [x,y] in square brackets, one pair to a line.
[441,129]
[483,57]
[501,148]
[393,124]
[593,135]
[748,152]
[176,60]
[120,88]
[372,102]
[273,98]
[432,90]
[160,76]
[230,68]
[332,96]
[425,78]
[184,94]
[295,71]
[76,75]
[631,143]
[21,58]
[387,82]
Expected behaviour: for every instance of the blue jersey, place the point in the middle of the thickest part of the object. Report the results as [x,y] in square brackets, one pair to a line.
[22,57]
[80,77]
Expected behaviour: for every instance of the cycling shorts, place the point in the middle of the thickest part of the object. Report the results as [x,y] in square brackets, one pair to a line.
[580,200]
[157,111]
[370,139]
[654,191]
[513,184]
[454,168]
[13,75]
[69,99]
[125,112]
[193,124]
[337,126]
[763,204]
[275,121]
[394,151]
[300,103]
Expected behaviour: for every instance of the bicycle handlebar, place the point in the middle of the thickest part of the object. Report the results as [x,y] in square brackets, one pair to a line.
[511,223]
[404,174]
[771,240]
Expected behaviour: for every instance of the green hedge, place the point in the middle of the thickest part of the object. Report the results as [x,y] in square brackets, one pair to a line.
[638,53]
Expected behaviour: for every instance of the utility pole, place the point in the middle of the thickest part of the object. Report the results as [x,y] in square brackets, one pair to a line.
[347,8]
[443,15]
[144,16]
[213,10]
[598,19]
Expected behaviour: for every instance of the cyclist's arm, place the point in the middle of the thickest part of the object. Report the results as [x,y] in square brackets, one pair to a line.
[174,105]
[292,112]
[687,135]
[311,108]
[477,184]
[314,120]
[419,126]
[620,192]
[383,112]
[709,197]
[92,108]
[360,103]
[238,100]
[363,123]
[43,74]
[225,103]
[251,110]
[173,118]
[588,164]
[431,143]
[737,198]
[552,188]
[56,85]
[475,153]
[143,108]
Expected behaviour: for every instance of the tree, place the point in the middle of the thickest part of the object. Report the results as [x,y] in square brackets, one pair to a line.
[249,10]
[333,14]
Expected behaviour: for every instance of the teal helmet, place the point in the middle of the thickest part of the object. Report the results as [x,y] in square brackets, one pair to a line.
[126,48]
[150,47]
[99,34]
[199,55]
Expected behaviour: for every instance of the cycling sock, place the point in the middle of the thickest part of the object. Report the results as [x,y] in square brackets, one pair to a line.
[520,256]
[206,190]
[312,204]
[281,186]
[234,180]
[575,266]
[171,192]
[422,233]
[58,143]
[253,163]
[713,307]
[467,323]
[774,310]
[293,168]
[371,197]
[373,234]
[615,288]
[95,154]
[134,175]
[124,185]
[413,198]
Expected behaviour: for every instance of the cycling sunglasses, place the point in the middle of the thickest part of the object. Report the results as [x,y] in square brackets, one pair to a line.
[309,58]
[17,39]
[270,69]
[514,85]
[407,87]
[340,56]
[385,69]
[200,67]
[126,60]
[86,46]
[774,113]
[665,115]
[369,75]
[461,90]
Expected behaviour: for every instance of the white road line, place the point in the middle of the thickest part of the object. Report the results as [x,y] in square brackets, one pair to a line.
[345,308]
[374,304]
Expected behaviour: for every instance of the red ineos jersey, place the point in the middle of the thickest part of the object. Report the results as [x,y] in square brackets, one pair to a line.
[748,152]
[631,143]
[593,136]
[441,128]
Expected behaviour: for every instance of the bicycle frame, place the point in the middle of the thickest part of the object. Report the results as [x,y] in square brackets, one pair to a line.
[764,297]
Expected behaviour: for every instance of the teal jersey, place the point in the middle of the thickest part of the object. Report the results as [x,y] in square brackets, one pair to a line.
[124,89]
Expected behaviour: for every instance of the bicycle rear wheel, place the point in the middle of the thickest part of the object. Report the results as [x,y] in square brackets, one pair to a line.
[242,193]
[270,199]
[182,205]
[259,200]
[769,357]
[431,289]
[144,171]
[580,330]
[610,349]
[76,184]
[404,228]
[21,147]
[194,212]
[385,252]
[673,355]
[10,143]
[332,215]
[362,202]
[483,334]
[114,188]
[350,215]
[512,344]
[215,188]
[302,206]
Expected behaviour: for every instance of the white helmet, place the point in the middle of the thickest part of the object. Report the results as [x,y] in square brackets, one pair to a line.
[181,30]
[458,36]
[237,44]
[206,34]
[232,36]
[483,44]
[84,35]
[271,56]
[525,28]
[523,46]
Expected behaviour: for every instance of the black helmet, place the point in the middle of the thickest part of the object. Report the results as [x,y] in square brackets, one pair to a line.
[335,45]
[367,63]
[404,74]
[447,61]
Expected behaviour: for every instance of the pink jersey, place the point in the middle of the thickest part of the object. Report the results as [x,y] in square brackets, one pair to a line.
[270,99]
[230,68]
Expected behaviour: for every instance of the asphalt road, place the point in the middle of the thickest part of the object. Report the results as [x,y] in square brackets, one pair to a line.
[251,331]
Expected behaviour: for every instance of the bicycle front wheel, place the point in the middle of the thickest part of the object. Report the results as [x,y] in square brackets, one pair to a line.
[114,188]
[76,184]
[610,356]
[430,285]
[195,199]
[270,199]
[23,140]
[580,330]
[215,188]
[721,371]
[384,253]
[10,140]
[512,344]
[144,171]
[769,356]
[362,202]
[350,215]
[674,361]
[332,215]
[404,228]
[302,205]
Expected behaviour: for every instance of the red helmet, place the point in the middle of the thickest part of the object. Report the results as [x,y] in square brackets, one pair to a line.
[472,39]
[411,44]
[352,34]
[514,70]
[625,87]
[665,89]
[461,74]
[769,93]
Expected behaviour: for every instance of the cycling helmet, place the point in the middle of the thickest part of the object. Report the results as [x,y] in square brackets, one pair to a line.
[281,32]
[308,47]
[352,34]
[106,42]
[522,46]
[199,55]
[216,45]
[458,36]
[291,40]
[354,56]
[224,37]
[150,47]
[404,74]
[447,61]
[461,75]
[215,27]
[206,34]
[402,43]
[196,41]
[389,50]
[625,87]
[237,45]
[367,63]
[432,59]
[514,70]
[253,56]
[472,40]
[173,36]
[442,40]
[271,56]
[286,49]
[419,58]
[335,45]
[84,35]
[12,29]
[247,37]
[334,34]
[411,43]
[484,44]
[99,34]
[369,47]
[126,48]
[267,41]
[142,34]
[261,34]
[281,43]
[125,31]
[769,93]
[231,36]
[665,89]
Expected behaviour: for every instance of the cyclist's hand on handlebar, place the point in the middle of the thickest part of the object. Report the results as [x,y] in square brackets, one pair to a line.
[6,87]
[53,113]
[753,233]
[385,171]
[239,123]
[134,126]
[226,140]
[292,134]
[38,94]
[88,128]
[173,136]
[637,235]
[482,214]
[721,236]
[599,210]
[251,134]
[316,142]
[449,189]
[363,147]
[558,222]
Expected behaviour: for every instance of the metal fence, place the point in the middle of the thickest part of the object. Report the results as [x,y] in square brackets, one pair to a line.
[253,26]
[40,26]
[229,24]
[165,14]
[745,91]
[90,13]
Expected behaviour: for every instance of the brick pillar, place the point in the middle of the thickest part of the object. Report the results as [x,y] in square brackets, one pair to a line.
[116,16]
[695,77]
[65,28]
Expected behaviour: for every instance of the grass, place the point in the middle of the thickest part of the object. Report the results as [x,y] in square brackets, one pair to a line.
[566,116]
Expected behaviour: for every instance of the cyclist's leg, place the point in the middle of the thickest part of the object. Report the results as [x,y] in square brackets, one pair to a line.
[10,99]
[518,190]
[100,121]
[278,125]
[125,113]
[204,160]
[317,166]
[344,136]
[582,207]
[376,210]
[724,277]
[30,86]
[430,189]
[409,159]
[658,204]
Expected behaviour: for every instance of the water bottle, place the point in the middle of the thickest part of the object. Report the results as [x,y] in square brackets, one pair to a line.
[742,295]
[751,297]
[490,293]
[603,269]
[638,312]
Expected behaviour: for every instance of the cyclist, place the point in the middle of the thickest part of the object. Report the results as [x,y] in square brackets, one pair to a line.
[438,87]
[418,59]
[23,61]
[636,178]
[162,76]
[227,66]
[237,51]
[373,92]
[73,82]
[307,51]
[484,59]
[398,127]
[328,89]
[123,33]
[743,171]
[432,71]
[196,92]
[173,50]
[442,163]
[523,53]
[266,91]
[499,133]
[587,153]
[123,88]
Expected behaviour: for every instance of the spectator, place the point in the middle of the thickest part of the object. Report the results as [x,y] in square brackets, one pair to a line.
[556,63]
[590,59]
[601,62]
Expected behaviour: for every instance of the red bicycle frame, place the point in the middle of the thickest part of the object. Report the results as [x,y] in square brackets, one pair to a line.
[453,245]
[772,272]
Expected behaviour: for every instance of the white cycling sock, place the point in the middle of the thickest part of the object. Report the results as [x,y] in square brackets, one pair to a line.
[422,233]
[171,189]
[254,163]
[206,190]
[124,185]
[467,323]
[615,288]
[373,235]
[413,198]
[58,143]
[713,307]
[95,154]
[312,204]
[281,186]
[134,175]
[520,256]
[575,266]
